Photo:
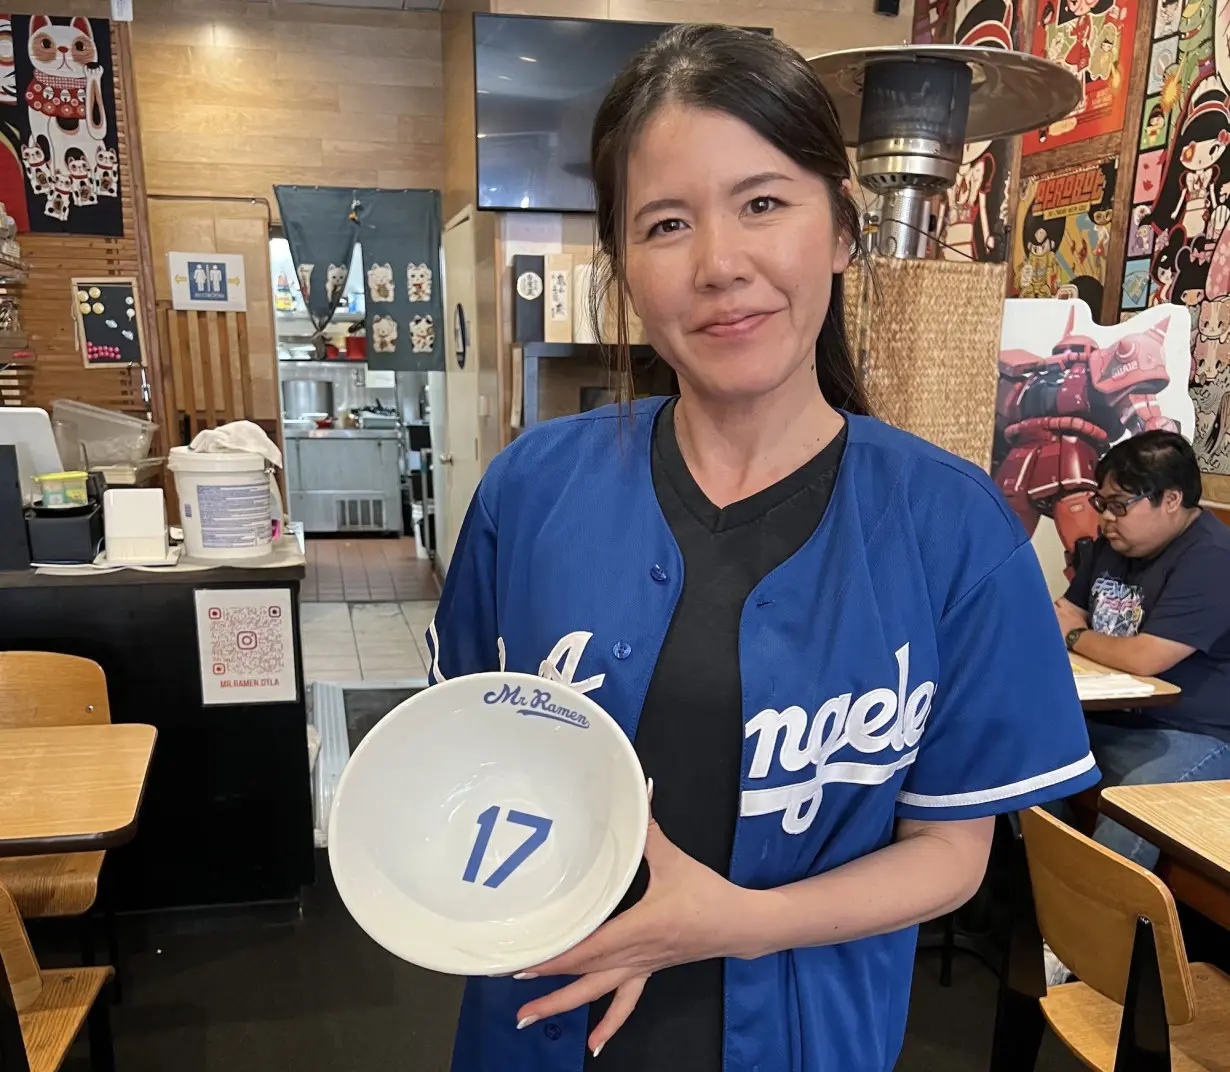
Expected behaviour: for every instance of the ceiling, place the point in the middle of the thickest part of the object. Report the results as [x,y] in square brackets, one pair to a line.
[382,5]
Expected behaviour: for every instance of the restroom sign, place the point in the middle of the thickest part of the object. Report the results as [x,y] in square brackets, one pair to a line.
[209,281]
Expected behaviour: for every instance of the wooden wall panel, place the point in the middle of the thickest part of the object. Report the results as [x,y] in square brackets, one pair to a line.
[214,226]
[239,96]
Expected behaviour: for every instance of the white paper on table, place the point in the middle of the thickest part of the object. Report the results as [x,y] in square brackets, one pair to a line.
[247,645]
[1111,687]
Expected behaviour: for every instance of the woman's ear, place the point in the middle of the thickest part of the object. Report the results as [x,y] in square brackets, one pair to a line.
[843,253]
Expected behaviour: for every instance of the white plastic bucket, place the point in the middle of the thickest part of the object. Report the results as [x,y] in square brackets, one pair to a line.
[225,503]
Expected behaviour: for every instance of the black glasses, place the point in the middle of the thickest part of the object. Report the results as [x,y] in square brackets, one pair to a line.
[1115,507]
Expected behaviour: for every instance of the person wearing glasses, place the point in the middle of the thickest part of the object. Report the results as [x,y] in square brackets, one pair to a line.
[1153,599]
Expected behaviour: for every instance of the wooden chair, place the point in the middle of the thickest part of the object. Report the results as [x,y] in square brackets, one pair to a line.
[1139,1003]
[39,688]
[47,1008]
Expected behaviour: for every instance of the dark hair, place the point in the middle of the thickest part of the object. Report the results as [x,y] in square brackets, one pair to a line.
[766,84]
[1152,464]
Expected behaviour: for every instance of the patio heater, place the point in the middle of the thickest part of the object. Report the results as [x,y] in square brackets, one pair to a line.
[910,109]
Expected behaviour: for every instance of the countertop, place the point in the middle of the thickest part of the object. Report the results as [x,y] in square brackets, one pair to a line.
[342,433]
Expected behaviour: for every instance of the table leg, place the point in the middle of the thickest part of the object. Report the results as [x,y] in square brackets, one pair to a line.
[12,1045]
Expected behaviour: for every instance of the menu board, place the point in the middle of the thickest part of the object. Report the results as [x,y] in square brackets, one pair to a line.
[108,322]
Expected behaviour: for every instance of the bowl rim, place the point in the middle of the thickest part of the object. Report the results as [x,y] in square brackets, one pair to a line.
[623,879]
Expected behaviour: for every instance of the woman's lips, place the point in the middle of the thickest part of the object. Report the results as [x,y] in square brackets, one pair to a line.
[743,325]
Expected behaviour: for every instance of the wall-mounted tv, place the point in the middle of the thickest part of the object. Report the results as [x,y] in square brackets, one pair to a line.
[538,83]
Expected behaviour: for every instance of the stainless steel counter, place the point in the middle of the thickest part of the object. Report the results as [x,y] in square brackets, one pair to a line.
[345,479]
[343,433]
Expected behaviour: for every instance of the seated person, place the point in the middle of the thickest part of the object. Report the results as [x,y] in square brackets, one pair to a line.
[1152,598]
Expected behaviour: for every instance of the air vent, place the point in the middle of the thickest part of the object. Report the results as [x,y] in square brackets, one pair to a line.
[363,515]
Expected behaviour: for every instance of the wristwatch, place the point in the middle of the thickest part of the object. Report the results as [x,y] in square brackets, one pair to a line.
[1073,636]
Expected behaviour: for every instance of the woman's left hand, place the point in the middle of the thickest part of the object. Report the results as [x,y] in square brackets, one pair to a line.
[688,913]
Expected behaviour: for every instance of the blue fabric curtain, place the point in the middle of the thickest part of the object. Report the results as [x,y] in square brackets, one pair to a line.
[321,225]
[399,232]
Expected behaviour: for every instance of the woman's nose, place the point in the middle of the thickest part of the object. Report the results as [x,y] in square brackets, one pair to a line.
[719,258]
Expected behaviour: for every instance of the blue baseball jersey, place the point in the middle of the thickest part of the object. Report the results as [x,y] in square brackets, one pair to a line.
[905,663]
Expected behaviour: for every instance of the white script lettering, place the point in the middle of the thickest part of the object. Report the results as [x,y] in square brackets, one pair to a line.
[877,720]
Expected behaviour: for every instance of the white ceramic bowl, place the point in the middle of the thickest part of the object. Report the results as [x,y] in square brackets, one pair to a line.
[487,824]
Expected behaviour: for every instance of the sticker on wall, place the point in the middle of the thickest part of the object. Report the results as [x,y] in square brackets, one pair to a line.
[422,335]
[335,283]
[418,282]
[380,283]
[529,286]
[1166,21]
[1093,39]
[208,281]
[384,335]
[1062,237]
[246,645]
[305,281]
[1048,439]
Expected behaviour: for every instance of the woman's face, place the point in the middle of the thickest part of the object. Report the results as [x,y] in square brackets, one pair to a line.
[731,250]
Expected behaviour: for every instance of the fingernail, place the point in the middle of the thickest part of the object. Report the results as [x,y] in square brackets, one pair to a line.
[523,1024]
[525,975]
[598,1048]
[649,789]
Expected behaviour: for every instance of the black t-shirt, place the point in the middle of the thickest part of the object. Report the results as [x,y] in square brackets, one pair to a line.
[690,734]
[1181,594]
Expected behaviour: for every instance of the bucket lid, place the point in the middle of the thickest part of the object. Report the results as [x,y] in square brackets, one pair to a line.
[187,460]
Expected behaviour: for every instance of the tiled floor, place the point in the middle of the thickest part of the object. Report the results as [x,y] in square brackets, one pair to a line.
[365,641]
[363,570]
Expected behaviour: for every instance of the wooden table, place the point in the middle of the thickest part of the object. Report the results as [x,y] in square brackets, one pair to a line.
[71,788]
[1164,693]
[1190,823]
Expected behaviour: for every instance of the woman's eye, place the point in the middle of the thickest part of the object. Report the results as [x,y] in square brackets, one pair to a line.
[758,206]
[665,227]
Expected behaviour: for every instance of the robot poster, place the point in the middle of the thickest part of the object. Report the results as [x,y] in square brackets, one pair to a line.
[1178,244]
[1093,39]
[973,218]
[1062,236]
[1069,389]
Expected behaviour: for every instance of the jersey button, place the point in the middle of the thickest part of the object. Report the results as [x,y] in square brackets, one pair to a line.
[658,574]
[621,650]
[552,1031]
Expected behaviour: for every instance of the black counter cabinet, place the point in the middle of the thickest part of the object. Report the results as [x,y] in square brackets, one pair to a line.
[227,814]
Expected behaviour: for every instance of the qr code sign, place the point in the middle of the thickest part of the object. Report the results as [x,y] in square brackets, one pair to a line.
[247,642]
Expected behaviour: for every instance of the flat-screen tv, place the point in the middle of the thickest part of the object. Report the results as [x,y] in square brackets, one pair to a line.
[538,83]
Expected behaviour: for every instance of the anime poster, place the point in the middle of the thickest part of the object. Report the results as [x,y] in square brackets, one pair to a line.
[1069,389]
[1178,245]
[973,217]
[1093,39]
[59,150]
[1062,236]
[932,22]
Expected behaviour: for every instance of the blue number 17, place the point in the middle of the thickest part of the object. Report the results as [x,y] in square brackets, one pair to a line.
[539,829]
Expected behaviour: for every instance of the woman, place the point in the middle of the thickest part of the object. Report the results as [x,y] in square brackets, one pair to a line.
[816,629]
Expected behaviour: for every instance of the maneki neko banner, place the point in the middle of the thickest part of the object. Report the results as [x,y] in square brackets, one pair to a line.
[1069,389]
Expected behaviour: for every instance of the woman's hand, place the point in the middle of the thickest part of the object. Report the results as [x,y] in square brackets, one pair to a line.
[688,913]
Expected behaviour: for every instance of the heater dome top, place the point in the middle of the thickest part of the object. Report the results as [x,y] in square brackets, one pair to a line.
[1010,92]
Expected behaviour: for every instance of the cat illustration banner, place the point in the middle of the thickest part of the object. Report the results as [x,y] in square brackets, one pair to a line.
[1069,389]
[61,173]
[213,282]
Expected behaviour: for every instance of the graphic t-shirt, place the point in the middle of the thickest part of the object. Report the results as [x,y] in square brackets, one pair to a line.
[1181,594]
